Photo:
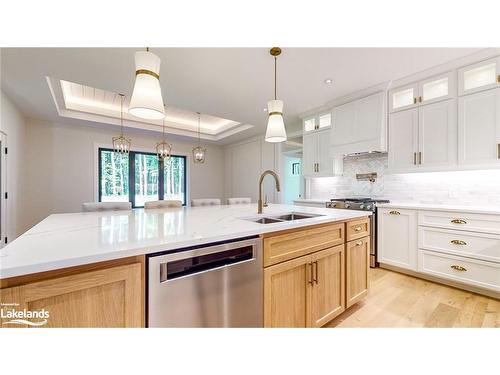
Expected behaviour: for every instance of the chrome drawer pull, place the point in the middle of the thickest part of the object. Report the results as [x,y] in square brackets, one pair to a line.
[458,242]
[458,268]
[394,213]
[357,229]
[458,221]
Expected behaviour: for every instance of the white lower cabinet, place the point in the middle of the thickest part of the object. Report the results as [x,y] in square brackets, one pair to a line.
[397,238]
[451,245]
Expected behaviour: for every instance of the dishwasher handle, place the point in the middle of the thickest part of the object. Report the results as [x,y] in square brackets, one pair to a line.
[207,259]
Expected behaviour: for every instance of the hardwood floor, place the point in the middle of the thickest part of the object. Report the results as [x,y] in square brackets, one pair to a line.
[397,300]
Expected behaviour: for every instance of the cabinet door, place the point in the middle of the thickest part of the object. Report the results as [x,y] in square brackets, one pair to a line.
[478,77]
[324,120]
[357,268]
[437,88]
[109,297]
[403,97]
[403,139]
[344,131]
[310,154]
[397,237]
[327,291]
[310,124]
[479,128]
[438,134]
[286,293]
[325,160]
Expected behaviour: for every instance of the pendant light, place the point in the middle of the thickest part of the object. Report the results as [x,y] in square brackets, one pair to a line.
[146,101]
[275,125]
[120,143]
[163,148]
[199,152]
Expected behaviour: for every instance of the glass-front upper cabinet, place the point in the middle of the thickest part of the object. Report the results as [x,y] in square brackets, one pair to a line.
[403,97]
[481,76]
[437,88]
[321,121]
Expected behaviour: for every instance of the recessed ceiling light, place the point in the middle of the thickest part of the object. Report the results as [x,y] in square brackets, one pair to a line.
[328,81]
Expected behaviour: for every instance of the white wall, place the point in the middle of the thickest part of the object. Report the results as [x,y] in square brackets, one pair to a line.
[478,187]
[12,124]
[62,165]
[244,162]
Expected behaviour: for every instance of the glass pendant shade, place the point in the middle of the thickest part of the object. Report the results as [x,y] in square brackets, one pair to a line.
[199,153]
[163,151]
[121,144]
[146,101]
[275,125]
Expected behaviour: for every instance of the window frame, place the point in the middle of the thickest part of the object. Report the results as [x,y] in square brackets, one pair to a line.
[131,175]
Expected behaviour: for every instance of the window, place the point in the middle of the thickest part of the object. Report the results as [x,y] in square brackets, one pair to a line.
[139,177]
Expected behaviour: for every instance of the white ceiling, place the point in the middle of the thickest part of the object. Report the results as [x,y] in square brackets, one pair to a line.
[230,83]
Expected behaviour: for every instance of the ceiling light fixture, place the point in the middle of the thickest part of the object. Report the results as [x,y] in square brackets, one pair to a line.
[328,81]
[199,152]
[120,143]
[163,148]
[146,101]
[275,125]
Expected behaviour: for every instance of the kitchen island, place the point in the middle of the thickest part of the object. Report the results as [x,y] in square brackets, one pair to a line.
[95,261]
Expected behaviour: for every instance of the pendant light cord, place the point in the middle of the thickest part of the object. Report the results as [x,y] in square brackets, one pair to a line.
[163,126]
[199,135]
[275,74]
[121,114]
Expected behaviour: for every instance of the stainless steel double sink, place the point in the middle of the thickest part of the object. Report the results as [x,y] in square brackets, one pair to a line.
[289,216]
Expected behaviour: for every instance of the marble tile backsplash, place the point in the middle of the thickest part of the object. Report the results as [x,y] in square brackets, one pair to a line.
[474,188]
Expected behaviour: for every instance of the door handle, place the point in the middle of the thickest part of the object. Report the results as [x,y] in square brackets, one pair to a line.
[315,277]
[310,281]
[414,158]
[419,157]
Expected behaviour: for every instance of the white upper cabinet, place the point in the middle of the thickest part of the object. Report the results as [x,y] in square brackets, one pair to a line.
[318,122]
[403,140]
[437,134]
[479,128]
[480,76]
[360,126]
[317,160]
[403,97]
[430,90]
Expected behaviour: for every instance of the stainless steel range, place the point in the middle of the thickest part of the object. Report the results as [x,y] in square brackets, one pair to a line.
[362,204]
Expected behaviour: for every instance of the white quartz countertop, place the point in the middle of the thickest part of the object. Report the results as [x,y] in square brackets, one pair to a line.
[493,210]
[66,240]
[303,200]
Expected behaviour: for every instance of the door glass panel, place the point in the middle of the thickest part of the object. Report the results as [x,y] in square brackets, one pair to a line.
[146,178]
[402,98]
[480,76]
[325,120]
[309,124]
[435,89]
[174,179]
[114,176]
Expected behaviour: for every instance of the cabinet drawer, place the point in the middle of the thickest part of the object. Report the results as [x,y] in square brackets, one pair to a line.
[358,229]
[460,221]
[468,271]
[292,244]
[468,244]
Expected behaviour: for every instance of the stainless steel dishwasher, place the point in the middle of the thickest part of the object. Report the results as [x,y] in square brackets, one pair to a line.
[212,286]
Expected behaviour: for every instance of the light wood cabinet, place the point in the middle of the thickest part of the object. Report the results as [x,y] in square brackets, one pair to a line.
[108,297]
[357,268]
[327,289]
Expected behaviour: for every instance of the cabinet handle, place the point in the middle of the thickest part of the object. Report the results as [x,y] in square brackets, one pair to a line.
[357,229]
[499,148]
[415,158]
[414,100]
[498,78]
[458,268]
[420,99]
[315,277]
[359,243]
[318,168]
[458,221]
[310,281]
[419,157]
[458,242]
[394,213]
